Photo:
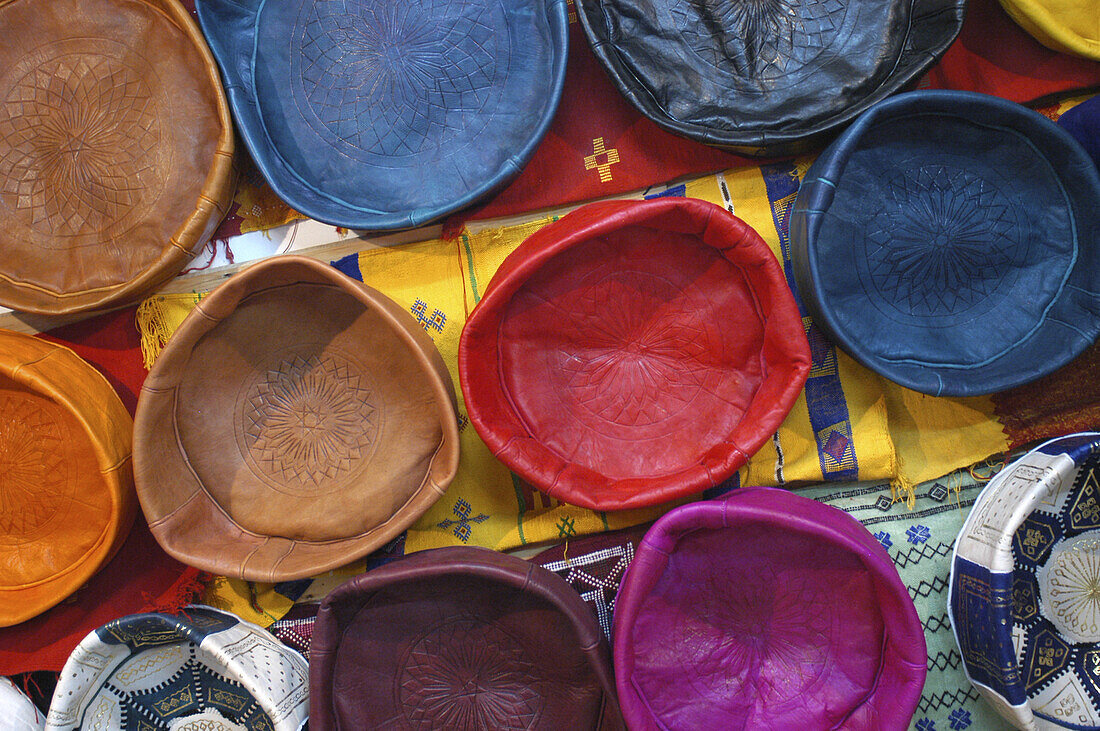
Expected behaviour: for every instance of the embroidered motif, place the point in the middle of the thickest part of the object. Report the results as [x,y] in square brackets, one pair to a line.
[464,526]
[918,534]
[884,538]
[828,409]
[938,492]
[959,719]
[601,159]
[596,577]
[565,528]
[926,724]
[435,321]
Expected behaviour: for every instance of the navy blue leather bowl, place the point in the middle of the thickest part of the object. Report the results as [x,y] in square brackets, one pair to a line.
[389,114]
[950,241]
[765,77]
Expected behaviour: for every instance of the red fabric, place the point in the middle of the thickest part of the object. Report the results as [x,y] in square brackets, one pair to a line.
[141,577]
[995,56]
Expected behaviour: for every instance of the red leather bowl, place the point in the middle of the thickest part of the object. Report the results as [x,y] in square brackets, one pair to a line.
[633,352]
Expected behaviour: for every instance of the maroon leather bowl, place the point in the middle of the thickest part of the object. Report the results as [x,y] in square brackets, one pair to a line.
[633,352]
[459,638]
[765,611]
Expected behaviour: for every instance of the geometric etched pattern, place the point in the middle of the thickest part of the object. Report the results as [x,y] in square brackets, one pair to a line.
[1069,584]
[469,675]
[942,242]
[34,474]
[78,135]
[308,422]
[393,78]
[194,697]
[773,648]
[763,40]
[642,359]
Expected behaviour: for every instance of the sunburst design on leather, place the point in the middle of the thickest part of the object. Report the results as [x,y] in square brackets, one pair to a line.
[34,475]
[77,139]
[944,241]
[394,79]
[469,675]
[642,360]
[777,646]
[760,39]
[1069,587]
[309,422]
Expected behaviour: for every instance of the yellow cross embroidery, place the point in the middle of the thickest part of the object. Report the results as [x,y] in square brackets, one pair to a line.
[572,8]
[598,150]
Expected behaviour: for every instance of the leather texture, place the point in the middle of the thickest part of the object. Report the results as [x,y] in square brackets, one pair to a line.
[633,353]
[66,487]
[765,78]
[459,638]
[116,150]
[950,242]
[1068,26]
[206,670]
[296,421]
[384,114]
[765,611]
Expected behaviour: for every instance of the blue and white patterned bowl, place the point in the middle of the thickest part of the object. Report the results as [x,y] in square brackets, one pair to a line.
[203,671]
[1025,587]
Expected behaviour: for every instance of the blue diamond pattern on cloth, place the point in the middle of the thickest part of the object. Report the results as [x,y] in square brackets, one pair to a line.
[884,503]
[466,520]
[938,493]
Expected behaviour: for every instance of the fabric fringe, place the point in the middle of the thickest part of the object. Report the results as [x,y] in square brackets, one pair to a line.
[157,318]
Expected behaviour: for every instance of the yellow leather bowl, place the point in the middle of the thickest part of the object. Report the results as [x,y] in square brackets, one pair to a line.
[66,482]
[1068,26]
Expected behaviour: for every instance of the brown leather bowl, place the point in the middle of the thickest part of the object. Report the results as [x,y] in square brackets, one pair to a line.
[66,483]
[296,421]
[116,150]
[459,638]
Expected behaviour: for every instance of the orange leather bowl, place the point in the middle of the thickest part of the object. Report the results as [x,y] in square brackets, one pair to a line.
[296,421]
[116,150]
[66,483]
[633,352]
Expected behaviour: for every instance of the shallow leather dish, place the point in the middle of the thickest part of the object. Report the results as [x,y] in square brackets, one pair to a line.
[602,364]
[1069,26]
[296,421]
[1023,600]
[66,482]
[116,150]
[204,670]
[459,638]
[765,78]
[765,610]
[386,114]
[950,241]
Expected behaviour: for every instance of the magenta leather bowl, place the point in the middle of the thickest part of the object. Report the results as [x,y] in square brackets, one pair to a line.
[765,611]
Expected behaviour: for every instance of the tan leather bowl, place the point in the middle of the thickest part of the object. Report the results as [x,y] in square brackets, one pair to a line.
[66,484]
[116,150]
[296,421]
